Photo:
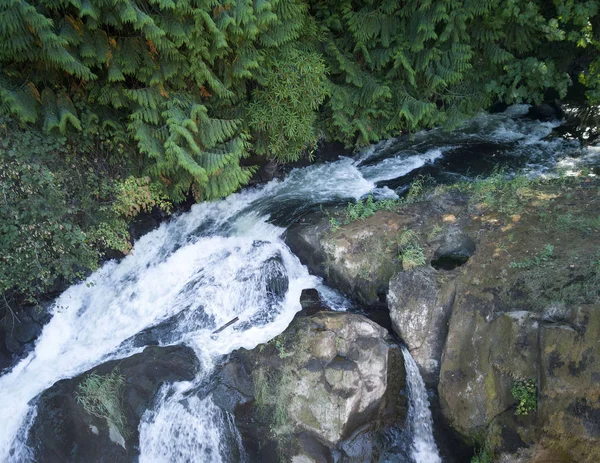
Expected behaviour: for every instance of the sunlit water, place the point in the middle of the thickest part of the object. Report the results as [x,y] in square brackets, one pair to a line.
[215,263]
[423,448]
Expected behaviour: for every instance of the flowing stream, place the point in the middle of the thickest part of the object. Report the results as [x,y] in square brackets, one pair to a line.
[217,262]
[423,449]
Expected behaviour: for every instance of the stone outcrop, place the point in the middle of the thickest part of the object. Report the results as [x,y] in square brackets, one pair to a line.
[503,297]
[325,386]
[420,303]
[63,431]
[507,327]
[361,257]
[357,259]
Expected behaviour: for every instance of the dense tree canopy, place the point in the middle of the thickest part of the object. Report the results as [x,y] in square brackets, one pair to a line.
[185,89]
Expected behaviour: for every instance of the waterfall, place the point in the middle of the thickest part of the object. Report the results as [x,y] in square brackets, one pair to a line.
[218,262]
[423,449]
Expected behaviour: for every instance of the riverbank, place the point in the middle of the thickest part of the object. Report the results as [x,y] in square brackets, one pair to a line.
[494,285]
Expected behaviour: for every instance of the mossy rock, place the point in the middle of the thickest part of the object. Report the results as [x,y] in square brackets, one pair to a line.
[328,377]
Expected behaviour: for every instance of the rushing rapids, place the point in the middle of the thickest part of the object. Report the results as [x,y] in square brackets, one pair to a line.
[214,263]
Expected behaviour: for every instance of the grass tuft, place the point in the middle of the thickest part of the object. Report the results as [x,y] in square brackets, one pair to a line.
[410,252]
[101,396]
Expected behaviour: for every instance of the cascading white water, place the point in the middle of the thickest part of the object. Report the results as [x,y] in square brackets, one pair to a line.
[208,266]
[423,446]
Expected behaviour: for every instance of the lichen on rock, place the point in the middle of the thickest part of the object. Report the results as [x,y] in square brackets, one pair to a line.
[328,377]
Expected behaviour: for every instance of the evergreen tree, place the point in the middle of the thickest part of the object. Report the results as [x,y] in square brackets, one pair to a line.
[401,66]
[172,75]
[199,84]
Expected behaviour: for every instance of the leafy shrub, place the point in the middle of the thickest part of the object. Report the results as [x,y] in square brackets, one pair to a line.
[283,110]
[525,393]
[102,396]
[62,208]
[134,195]
[198,85]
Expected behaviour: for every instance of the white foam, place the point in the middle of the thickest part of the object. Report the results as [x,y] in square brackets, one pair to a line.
[399,166]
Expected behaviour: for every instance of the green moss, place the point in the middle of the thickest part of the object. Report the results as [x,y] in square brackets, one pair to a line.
[483,456]
[307,417]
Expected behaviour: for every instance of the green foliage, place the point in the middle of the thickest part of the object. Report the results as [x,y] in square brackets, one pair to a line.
[365,208]
[134,195]
[62,208]
[50,219]
[281,350]
[420,186]
[360,210]
[568,221]
[102,396]
[435,231]
[200,84]
[197,86]
[172,76]
[483,455]
[525,393]
[543,256]
[404,66]
[283,110]
[410,252]
[334,224]
[498,191]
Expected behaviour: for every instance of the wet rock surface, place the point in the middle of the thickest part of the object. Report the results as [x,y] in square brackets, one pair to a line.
[420,303]
[18,332]
[63,431]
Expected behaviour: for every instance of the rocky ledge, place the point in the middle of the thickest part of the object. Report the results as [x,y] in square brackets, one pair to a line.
[500,308]
[78,419]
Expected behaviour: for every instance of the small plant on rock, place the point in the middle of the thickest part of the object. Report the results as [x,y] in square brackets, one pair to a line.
[360,210]
[483,455]
[365,208]
[101,396]
[410,252]
[281,350]
[525,393]
[543,256]
[334,224]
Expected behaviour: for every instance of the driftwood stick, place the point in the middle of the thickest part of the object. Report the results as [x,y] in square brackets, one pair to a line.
[226,325]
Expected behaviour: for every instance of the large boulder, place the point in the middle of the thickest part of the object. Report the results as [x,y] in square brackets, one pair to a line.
[324,387]
[359,259]
[557,353]
[569,405]
[64,431]
[482,360]
[420,303]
